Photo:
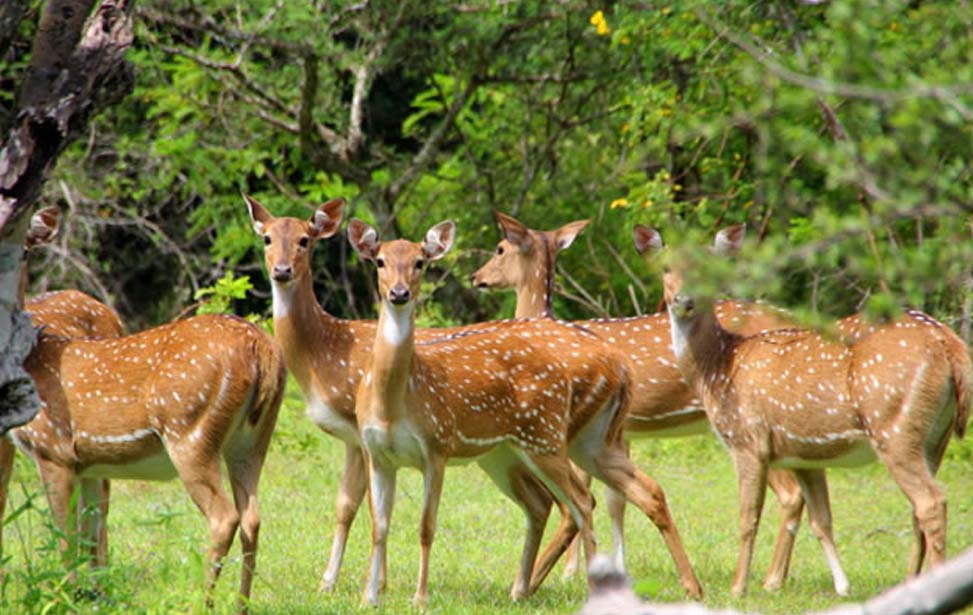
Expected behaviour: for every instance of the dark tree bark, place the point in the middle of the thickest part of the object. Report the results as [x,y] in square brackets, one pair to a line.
[76,69]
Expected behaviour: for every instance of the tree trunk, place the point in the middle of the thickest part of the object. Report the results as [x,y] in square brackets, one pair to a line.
[76,69]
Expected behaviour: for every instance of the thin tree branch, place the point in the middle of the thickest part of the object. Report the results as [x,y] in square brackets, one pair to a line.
[945,93]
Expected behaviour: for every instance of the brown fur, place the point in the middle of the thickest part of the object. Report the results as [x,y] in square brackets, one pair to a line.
[489,402]
[662,405]
[184,392]
[795,398]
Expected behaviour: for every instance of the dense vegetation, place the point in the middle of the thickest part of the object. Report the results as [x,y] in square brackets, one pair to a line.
[840,131]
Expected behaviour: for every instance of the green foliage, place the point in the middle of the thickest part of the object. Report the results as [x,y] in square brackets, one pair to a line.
[840,132]
[218,298]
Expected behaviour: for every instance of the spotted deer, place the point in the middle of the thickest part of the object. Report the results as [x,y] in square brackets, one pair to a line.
[514,390]
[328,357]
[70,314]
[173,401]
[796,399]
[662,404]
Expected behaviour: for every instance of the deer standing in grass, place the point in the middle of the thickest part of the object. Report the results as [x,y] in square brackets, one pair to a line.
[328,357]
[70,314]
[511,391]
[795,399]
[176,400]
[662,405]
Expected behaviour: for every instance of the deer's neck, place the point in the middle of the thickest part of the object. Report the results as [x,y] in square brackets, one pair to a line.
[392,357]
[535,295]
[305,331]
[702,347]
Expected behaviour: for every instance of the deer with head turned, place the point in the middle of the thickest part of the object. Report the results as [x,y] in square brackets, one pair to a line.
[328,357]
[662,405]
[69,314]
[538,390]
[793,398]
[173,401]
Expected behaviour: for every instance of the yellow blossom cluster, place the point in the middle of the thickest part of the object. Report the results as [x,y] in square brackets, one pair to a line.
[600,24]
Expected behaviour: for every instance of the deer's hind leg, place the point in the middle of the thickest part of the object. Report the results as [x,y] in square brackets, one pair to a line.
[565,535]
[351,492]
[611,465]
[788,492]
[554,470]
[200,474]
[815,487]
[517,482]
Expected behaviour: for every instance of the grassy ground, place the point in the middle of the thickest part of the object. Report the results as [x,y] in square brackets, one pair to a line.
[158,538]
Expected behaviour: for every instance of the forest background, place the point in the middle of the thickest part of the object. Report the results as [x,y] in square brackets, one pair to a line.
[841,132]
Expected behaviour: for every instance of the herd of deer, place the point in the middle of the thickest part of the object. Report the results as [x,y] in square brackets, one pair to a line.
[539,404]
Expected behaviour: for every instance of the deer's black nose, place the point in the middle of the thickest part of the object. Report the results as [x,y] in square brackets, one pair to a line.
[399,295]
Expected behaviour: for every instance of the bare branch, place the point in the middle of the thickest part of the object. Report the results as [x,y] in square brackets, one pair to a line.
[364,74]
[945,93]
[431,147]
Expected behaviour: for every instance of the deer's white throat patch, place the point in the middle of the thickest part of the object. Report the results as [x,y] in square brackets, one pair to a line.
[397,323]
[283,297]
[680,333]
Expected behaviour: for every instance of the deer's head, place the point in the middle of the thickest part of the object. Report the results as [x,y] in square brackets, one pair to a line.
[288,241]
[523,252]
[682,302]
[399,262]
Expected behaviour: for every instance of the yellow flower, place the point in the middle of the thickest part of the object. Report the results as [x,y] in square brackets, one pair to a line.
[666,10]
[598,21]
[623,202]
[648,203]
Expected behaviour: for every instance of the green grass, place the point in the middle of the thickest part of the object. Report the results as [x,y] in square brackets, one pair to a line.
[158,539]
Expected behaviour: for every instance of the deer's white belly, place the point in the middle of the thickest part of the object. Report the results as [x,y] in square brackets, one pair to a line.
[400,445]
[154,467]
[859,454]
[335,423]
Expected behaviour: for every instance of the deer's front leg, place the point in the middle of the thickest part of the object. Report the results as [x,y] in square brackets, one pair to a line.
[351,490]
[433,489]
[7,450]
[752,485]
[788,493]
[381,498]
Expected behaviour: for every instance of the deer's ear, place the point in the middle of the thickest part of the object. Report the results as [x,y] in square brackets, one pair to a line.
[729,240]
[44,227]
[439,239]
[515,232]
[326,219]
[648,241]
[564,236]
[259,216]
[364,239]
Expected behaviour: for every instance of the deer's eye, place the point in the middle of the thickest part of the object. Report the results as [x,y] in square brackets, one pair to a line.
[420,263]
[266,240]
[380,262]
[499,250]
[303,241]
